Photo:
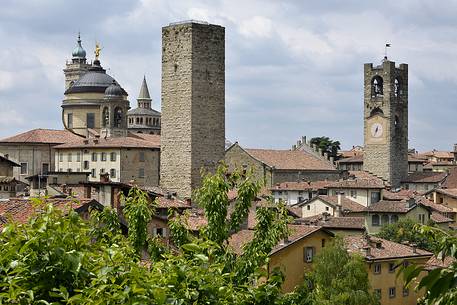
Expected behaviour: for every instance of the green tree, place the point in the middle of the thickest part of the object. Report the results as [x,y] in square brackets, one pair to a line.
[327,145]
[340,278]
[440,284]
[404,230]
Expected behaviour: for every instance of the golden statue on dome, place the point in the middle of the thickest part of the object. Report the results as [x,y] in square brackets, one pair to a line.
[97,50]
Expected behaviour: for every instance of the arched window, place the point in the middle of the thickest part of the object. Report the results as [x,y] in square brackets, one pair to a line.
[377,86]
[375,111]
[385,219]
[105,117]
[396,121]
[397,88]
[117,117]
[375,220]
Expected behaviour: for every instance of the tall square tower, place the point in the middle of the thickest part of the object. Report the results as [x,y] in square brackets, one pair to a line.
[386,121]
[193,104]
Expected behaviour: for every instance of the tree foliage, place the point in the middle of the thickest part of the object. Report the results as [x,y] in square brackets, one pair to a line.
[339,278]
[327,145]
[405,230]
[440,283]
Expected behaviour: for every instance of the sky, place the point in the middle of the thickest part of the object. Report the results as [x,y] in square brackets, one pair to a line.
[293,68]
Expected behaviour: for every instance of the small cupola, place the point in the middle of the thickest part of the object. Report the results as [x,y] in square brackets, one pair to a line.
[79,52]
[114,91]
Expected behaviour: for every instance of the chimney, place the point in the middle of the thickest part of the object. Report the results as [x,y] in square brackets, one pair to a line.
[414,246]
[86,141]
[95,141]
[169,196]
[339,206]
[303,139]
[325,216]
[104,177]
[367,250]
[294,147]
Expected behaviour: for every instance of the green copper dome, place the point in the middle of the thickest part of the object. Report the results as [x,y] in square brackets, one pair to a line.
[79,52]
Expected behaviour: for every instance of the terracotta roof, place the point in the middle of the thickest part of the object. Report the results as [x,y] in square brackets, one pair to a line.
[353,159]
[349,223]
[301,186]
[401,206]
[42,136]
[448,192]
[400,195]
[438,154]
[114,142]
[439,218]
[297,232]
[435,262]
[380,249]
[290,159]
[374,183]
[425,177]
[351,153]
[441,208]
[20,210]
[7,179]
[165,203]
[347,204]
[451,179]
[196,220]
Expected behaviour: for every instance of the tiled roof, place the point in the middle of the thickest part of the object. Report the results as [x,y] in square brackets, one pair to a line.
[439,218]
[165,203]
[297,232]
[380,248]
[347,204]
[374,183]
[21,210]
[7,179]
[348,223]
[435,262]
[196,220]
[131,141]
[301,186]
[441,208]
[401,206]
[353,159]
[425,177]
[7,160]
[290,159]
[448,192]
[451,179]
[42,136]
[400,195]
[438,154]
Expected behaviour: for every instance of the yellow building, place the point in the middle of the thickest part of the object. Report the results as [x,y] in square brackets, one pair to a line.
[293,256]
[383,260]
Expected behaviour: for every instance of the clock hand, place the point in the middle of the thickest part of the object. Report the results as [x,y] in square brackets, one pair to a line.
[376,130]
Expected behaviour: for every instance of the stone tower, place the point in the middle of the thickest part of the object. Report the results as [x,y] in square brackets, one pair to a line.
[75,68]
[193,104]
[386,121]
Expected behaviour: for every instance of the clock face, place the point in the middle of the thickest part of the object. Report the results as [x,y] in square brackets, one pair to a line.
[376,130]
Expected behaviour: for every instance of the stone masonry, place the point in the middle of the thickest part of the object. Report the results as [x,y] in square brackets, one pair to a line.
[387,158]
[193,104]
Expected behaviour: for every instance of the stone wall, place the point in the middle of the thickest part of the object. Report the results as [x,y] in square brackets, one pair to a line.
[193,103]
[33,155]
[131,164]
[280,176]
[387,158]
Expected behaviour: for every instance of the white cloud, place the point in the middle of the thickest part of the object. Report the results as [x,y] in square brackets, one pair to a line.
[256,27]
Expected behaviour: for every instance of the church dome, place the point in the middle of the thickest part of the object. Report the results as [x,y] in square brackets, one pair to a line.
[94,81]
[79,52]
[113,91]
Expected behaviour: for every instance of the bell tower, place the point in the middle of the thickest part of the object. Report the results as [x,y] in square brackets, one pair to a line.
[78,65]
[386,121]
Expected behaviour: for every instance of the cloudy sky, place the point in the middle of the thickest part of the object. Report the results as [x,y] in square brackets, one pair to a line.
[292,69]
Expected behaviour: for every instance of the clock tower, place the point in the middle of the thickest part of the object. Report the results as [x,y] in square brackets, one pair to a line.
[386,121]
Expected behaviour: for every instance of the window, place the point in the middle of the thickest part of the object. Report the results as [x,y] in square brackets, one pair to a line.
[86,164]
[385,219]
[113,156]
[354,193]
[90,120]
[392,292]
[94,157]
[102,170]
[405,291]
[70,120]
[308,254]
[118,117]
[141,156]
[308,207]
[378,293]
[92,173]
[323,242]
[105,117]
[377,268]
[141,173]
[393,218]
[391,267]
[112,173]
[327,208]
[54,180]
[69,170]
[103,156]
[375,197]
[422,218]
[376,86]
[78,157]
[45,168]
[375,220]
[60,157]
[397,87]
[69,157]
[159,232]
[24,168]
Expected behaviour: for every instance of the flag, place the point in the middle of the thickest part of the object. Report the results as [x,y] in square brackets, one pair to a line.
[387,45]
